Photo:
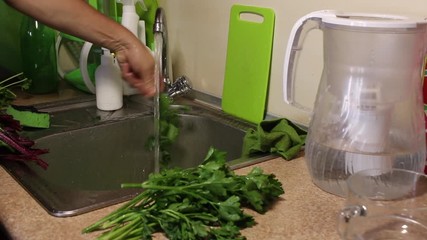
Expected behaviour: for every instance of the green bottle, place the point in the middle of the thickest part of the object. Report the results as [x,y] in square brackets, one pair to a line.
[38,54]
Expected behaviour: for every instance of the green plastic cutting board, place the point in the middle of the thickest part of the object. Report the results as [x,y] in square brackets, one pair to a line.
[247,70]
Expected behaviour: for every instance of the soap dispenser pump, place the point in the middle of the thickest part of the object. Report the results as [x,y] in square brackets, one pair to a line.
[109,86]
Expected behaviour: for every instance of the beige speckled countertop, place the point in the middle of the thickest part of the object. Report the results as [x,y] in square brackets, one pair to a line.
[303,212]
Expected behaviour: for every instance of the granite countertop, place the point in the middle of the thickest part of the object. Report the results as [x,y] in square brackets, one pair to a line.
[303,212]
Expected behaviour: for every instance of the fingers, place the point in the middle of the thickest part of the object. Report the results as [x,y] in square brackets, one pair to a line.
[137,67]
[145,86]
[143,82]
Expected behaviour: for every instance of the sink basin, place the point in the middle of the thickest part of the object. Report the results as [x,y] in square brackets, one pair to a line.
[91,153]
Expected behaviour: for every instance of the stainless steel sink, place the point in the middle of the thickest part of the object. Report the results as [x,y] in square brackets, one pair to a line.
[91,153]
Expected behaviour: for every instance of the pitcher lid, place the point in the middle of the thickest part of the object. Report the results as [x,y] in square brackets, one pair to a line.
[371,20]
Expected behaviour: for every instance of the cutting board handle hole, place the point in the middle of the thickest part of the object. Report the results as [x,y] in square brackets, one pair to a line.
[251,17]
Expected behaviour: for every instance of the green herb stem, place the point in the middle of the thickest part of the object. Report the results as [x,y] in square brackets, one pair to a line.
[11,84]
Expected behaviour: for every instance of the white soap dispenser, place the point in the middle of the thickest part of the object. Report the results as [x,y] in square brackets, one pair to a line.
[109,84]
[130,20]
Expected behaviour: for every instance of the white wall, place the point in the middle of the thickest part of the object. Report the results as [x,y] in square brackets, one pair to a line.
[198,32]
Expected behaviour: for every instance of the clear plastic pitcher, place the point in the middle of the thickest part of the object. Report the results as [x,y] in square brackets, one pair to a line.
[368,111]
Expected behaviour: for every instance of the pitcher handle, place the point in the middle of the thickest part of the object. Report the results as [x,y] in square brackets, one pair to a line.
[295,42]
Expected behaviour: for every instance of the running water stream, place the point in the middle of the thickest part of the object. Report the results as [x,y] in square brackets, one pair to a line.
[157,78]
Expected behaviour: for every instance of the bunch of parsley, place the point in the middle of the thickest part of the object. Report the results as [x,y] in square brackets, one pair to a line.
[205,202]
[169,124]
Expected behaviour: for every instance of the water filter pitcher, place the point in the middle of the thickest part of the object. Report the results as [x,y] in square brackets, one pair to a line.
[368,111]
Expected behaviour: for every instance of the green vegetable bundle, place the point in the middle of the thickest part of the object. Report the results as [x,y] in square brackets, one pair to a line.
[205,202]
[169,129]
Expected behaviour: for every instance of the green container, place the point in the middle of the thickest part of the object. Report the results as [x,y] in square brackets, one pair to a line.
[39,56]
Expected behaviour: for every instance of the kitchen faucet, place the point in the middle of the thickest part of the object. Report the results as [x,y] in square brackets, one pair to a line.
[181,85]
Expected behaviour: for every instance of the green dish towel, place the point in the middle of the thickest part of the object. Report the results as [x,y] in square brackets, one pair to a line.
[277,136]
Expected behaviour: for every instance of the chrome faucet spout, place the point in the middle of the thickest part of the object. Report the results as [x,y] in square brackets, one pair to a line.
[160,28]
[182,84]
[160,21]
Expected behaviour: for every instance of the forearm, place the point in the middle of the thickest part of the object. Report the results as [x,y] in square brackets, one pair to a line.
[77,18]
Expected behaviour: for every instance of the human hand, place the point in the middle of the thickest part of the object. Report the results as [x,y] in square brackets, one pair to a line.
[137,67]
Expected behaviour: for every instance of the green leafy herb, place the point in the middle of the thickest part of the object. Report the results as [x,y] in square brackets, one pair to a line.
[169,129]
[205,202]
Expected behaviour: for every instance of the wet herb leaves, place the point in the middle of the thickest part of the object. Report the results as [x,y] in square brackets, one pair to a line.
[169,129]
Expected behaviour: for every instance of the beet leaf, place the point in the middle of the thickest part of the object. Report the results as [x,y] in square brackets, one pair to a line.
[15,147]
